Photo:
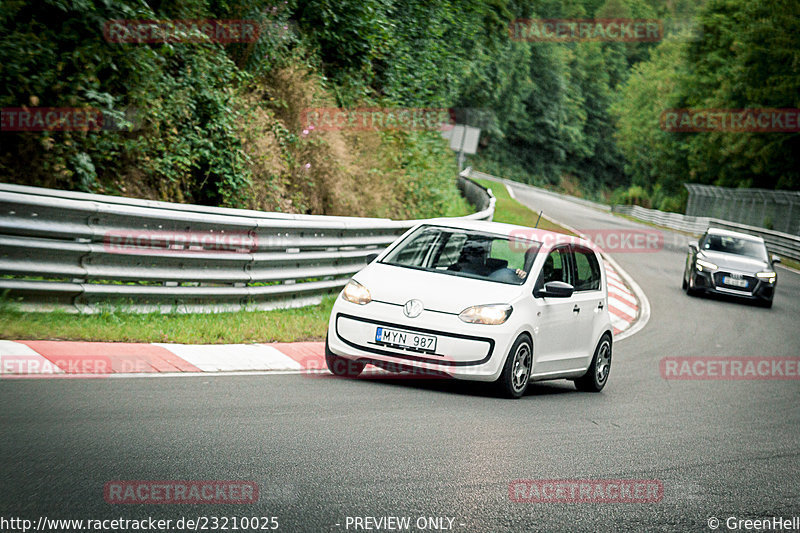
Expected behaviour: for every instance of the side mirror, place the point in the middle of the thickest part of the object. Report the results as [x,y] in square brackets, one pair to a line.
[555,289]
[693,246]
[371,257]
[776,259]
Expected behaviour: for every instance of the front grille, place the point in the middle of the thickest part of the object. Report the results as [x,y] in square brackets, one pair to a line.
[720,276]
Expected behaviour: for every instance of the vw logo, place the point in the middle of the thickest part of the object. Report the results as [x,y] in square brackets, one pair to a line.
[412,308]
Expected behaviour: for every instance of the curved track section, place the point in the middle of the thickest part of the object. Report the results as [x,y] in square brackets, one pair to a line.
[325,449]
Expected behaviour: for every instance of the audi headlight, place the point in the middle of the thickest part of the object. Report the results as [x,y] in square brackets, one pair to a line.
[356,293]
[486,314]
[767,276]
[703,264]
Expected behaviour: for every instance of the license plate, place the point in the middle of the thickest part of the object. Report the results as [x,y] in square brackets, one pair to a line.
[405,339]
[735,282]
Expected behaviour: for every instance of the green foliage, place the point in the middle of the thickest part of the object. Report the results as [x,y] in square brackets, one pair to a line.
[184,96]
[185,111]
[739,63]
[743,62]
[217,124]
[653,155]
[429,169]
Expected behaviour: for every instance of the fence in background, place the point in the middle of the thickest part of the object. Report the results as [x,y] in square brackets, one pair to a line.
[86,252]
[778,210]
[783,244]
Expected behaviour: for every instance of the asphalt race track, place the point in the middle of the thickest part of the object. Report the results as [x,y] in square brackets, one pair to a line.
[323,449]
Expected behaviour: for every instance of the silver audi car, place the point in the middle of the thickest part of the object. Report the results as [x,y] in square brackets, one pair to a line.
[732,263]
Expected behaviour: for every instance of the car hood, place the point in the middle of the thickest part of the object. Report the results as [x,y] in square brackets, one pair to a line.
[740,263]
[436,291]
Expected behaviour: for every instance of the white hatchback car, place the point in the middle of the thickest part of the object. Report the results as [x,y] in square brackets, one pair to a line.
[481,301]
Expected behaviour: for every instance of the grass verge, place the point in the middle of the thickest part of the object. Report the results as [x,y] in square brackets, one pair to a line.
[282,325]
[791,263]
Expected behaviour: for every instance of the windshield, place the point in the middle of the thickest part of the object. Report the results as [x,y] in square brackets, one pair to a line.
[735,245]
[466,253]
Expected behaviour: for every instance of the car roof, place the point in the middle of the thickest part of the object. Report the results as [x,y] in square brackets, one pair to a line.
[728,233]
[540,235]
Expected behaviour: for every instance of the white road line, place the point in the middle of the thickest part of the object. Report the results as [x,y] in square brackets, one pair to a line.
[790,269]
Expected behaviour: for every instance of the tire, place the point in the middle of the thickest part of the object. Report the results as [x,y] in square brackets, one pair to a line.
[684,285]
[689,289]
[597,374]
[516,374]
[341,366]
[767,304]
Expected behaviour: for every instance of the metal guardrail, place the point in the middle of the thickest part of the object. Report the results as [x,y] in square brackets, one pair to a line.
[783,244]
[79,251]
[676,221]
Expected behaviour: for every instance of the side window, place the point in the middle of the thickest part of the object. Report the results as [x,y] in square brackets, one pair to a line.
[587,270]
[556,267]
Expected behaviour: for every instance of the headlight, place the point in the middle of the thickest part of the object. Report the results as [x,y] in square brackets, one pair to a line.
[702,263]
[486,314]
[767,276]
[356,293]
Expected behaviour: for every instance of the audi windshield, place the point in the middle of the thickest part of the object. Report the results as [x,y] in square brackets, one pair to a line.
[735,245]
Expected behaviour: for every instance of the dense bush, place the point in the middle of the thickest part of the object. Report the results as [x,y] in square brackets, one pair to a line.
[209,123]
[741,60]
[219,123]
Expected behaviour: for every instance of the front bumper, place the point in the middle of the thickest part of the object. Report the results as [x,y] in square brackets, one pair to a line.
[757,289]
[465,351]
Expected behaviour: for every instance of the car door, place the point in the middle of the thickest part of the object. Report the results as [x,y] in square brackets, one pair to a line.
[553,344]
[590,301]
